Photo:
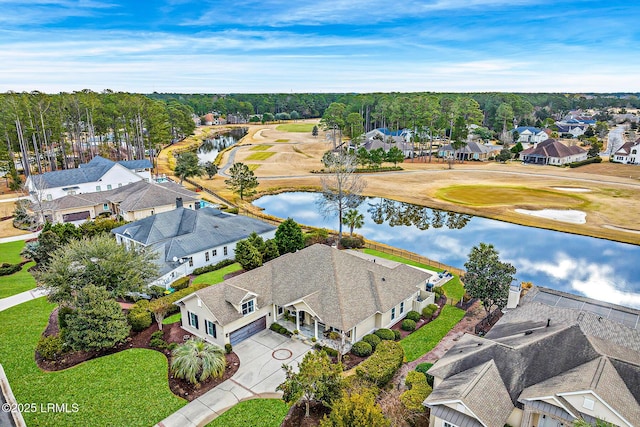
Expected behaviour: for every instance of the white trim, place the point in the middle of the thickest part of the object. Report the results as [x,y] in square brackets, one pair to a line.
[460,402]
[577,393]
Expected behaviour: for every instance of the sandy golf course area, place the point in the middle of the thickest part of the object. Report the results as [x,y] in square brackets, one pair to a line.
[606,194]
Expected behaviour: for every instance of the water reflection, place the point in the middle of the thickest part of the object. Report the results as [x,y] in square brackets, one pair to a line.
[397,213]
[210,147]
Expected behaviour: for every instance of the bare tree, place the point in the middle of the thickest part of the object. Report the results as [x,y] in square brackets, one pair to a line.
[341,186]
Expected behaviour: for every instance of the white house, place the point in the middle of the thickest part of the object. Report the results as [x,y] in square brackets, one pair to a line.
[530,134]
[186,239]
[629,153]
[322,288]
[553,152]
[99,174]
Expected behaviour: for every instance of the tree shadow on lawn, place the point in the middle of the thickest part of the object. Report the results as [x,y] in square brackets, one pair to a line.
[172,333]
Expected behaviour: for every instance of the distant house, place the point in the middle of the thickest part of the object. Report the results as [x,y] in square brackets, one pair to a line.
[554,359]
[472,150]
[552,152]
[99,174]
[322,288]
[131,202]
[629,153]
[186,239]
[571,128]
[530,134]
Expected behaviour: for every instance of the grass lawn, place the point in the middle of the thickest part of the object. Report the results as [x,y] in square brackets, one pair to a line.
[483,195]
[127,388]
[282,140]
[17,282]
[296,127]
[174,318]
[260,155]
[453,289]
[255,412]
[426,338]
[260,147]
[217,276]
[10,252]
[253,166]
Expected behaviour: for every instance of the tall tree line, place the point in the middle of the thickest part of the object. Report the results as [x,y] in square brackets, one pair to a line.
[48,132]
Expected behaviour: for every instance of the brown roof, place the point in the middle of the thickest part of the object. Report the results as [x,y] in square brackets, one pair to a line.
[552,148]
[341,288]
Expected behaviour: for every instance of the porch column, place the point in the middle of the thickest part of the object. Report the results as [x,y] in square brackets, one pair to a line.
[315,325]
[353,335]
[298,320]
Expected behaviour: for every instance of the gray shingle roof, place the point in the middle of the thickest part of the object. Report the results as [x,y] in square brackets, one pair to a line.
[340,288]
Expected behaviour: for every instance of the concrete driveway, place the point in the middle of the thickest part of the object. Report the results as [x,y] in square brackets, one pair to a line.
[260,372]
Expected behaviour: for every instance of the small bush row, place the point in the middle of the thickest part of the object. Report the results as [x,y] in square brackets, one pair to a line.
[181,283]
[383,363]
[276,327]
[429,310]
[8,269]
[209,268]
[330,351]
[596,159]
[157,341]
[408,325]
[361,348]
[413,315]
[385,334]
[372,339]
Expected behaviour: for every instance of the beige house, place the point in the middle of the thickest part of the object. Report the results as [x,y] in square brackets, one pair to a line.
[132,202]
[556,358]
[322,288]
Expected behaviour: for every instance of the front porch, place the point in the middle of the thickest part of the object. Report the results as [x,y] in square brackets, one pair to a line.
[316,332]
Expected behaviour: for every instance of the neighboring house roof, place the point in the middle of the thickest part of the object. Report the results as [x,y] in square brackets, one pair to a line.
[554,344]
[626,148]
[552,148]
[341,289]
[136,196]
[531,129]
[86,172]
[183,232]
[387,132]
[398,141]
[472,147]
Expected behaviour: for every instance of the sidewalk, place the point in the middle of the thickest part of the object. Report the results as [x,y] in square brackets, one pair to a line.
[19,237]
[25,296]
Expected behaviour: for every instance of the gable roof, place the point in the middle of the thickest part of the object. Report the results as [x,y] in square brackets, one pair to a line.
[341,289]
[552,148]
[473,147]
[626,148]
[532,129]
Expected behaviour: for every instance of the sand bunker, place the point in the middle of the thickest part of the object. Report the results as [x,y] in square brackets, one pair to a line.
[572,216]
[573,189]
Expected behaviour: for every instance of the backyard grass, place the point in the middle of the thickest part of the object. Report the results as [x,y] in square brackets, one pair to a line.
[10,252]
[217,276]
[260,155]
[174,318]
[255,412]
[262,147]
[296,127]
[484,195]
[127,388]
[17,282]
[453,289]
[427,337]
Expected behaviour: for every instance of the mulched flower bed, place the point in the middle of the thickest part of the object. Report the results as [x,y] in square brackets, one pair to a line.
[349,361]
[171,333]
[296,418]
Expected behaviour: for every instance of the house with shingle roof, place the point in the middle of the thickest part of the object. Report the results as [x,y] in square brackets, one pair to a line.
[628,154]
[530,134]
[553,152]
[472,150]
[555,359]
[323,288]
[130,202]
[99,174]
[186,239]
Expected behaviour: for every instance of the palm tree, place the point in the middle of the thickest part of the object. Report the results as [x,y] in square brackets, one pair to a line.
[197,360]
[353,219]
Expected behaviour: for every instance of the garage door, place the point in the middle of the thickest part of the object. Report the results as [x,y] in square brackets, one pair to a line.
[76,216]
[249,330]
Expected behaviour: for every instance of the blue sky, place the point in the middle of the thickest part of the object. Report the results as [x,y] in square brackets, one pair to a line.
[326,46]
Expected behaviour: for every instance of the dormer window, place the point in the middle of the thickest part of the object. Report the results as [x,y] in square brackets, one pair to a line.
[248,307]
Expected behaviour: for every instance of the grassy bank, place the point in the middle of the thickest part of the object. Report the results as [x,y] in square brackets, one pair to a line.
[217,276]
[255,412]
[427,337]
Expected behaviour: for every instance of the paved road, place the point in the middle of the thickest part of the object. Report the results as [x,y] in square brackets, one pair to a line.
[616,139]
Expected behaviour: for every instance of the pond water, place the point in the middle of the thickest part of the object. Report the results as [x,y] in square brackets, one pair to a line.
[210,148]
[597,268]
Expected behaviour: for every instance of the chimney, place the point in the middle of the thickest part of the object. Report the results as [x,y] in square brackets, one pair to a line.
[548,322]
[178,202]
[197,204]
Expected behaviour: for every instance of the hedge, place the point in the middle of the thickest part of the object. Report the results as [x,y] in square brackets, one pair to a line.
[418,391]
[330,351]
[385,334]
[276,327]
[423,368]
[408,325]
[596,159]
[8,269]
[413,315]
[173,297]
[383,363]
[361,348]
[372,339]
[396,335]
[181,283]
[209,268]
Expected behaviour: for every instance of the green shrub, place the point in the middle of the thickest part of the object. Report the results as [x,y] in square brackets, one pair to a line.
[383,363]
[209,268]
[50,348]
[596,159]
[438,291]
[418,391]
[413,377]
[63,314]
[427,312]
[423,368]
[172,346]
[157,334]
[228,348]
[158,343]
[320,235]
[352,242]
[372,339]
[433,307]
[155,291]
[413,315]
[397,335]
[276,327]
[385,334]
[330,351]
[408,325]
[181,283]
[8,269]
[139,319]
[362,349]
[141,304]
[233,210]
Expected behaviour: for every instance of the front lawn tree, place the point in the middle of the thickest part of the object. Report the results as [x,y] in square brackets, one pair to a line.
[395,156]
[318,380]
[188,165]
[247,255]
[341,186]
[353,219]
[242,180]
[487,278]
[289,237]
[99,261]
[211,169]
[197,360]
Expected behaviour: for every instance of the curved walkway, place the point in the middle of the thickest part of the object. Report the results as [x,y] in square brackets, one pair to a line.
[258,376]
